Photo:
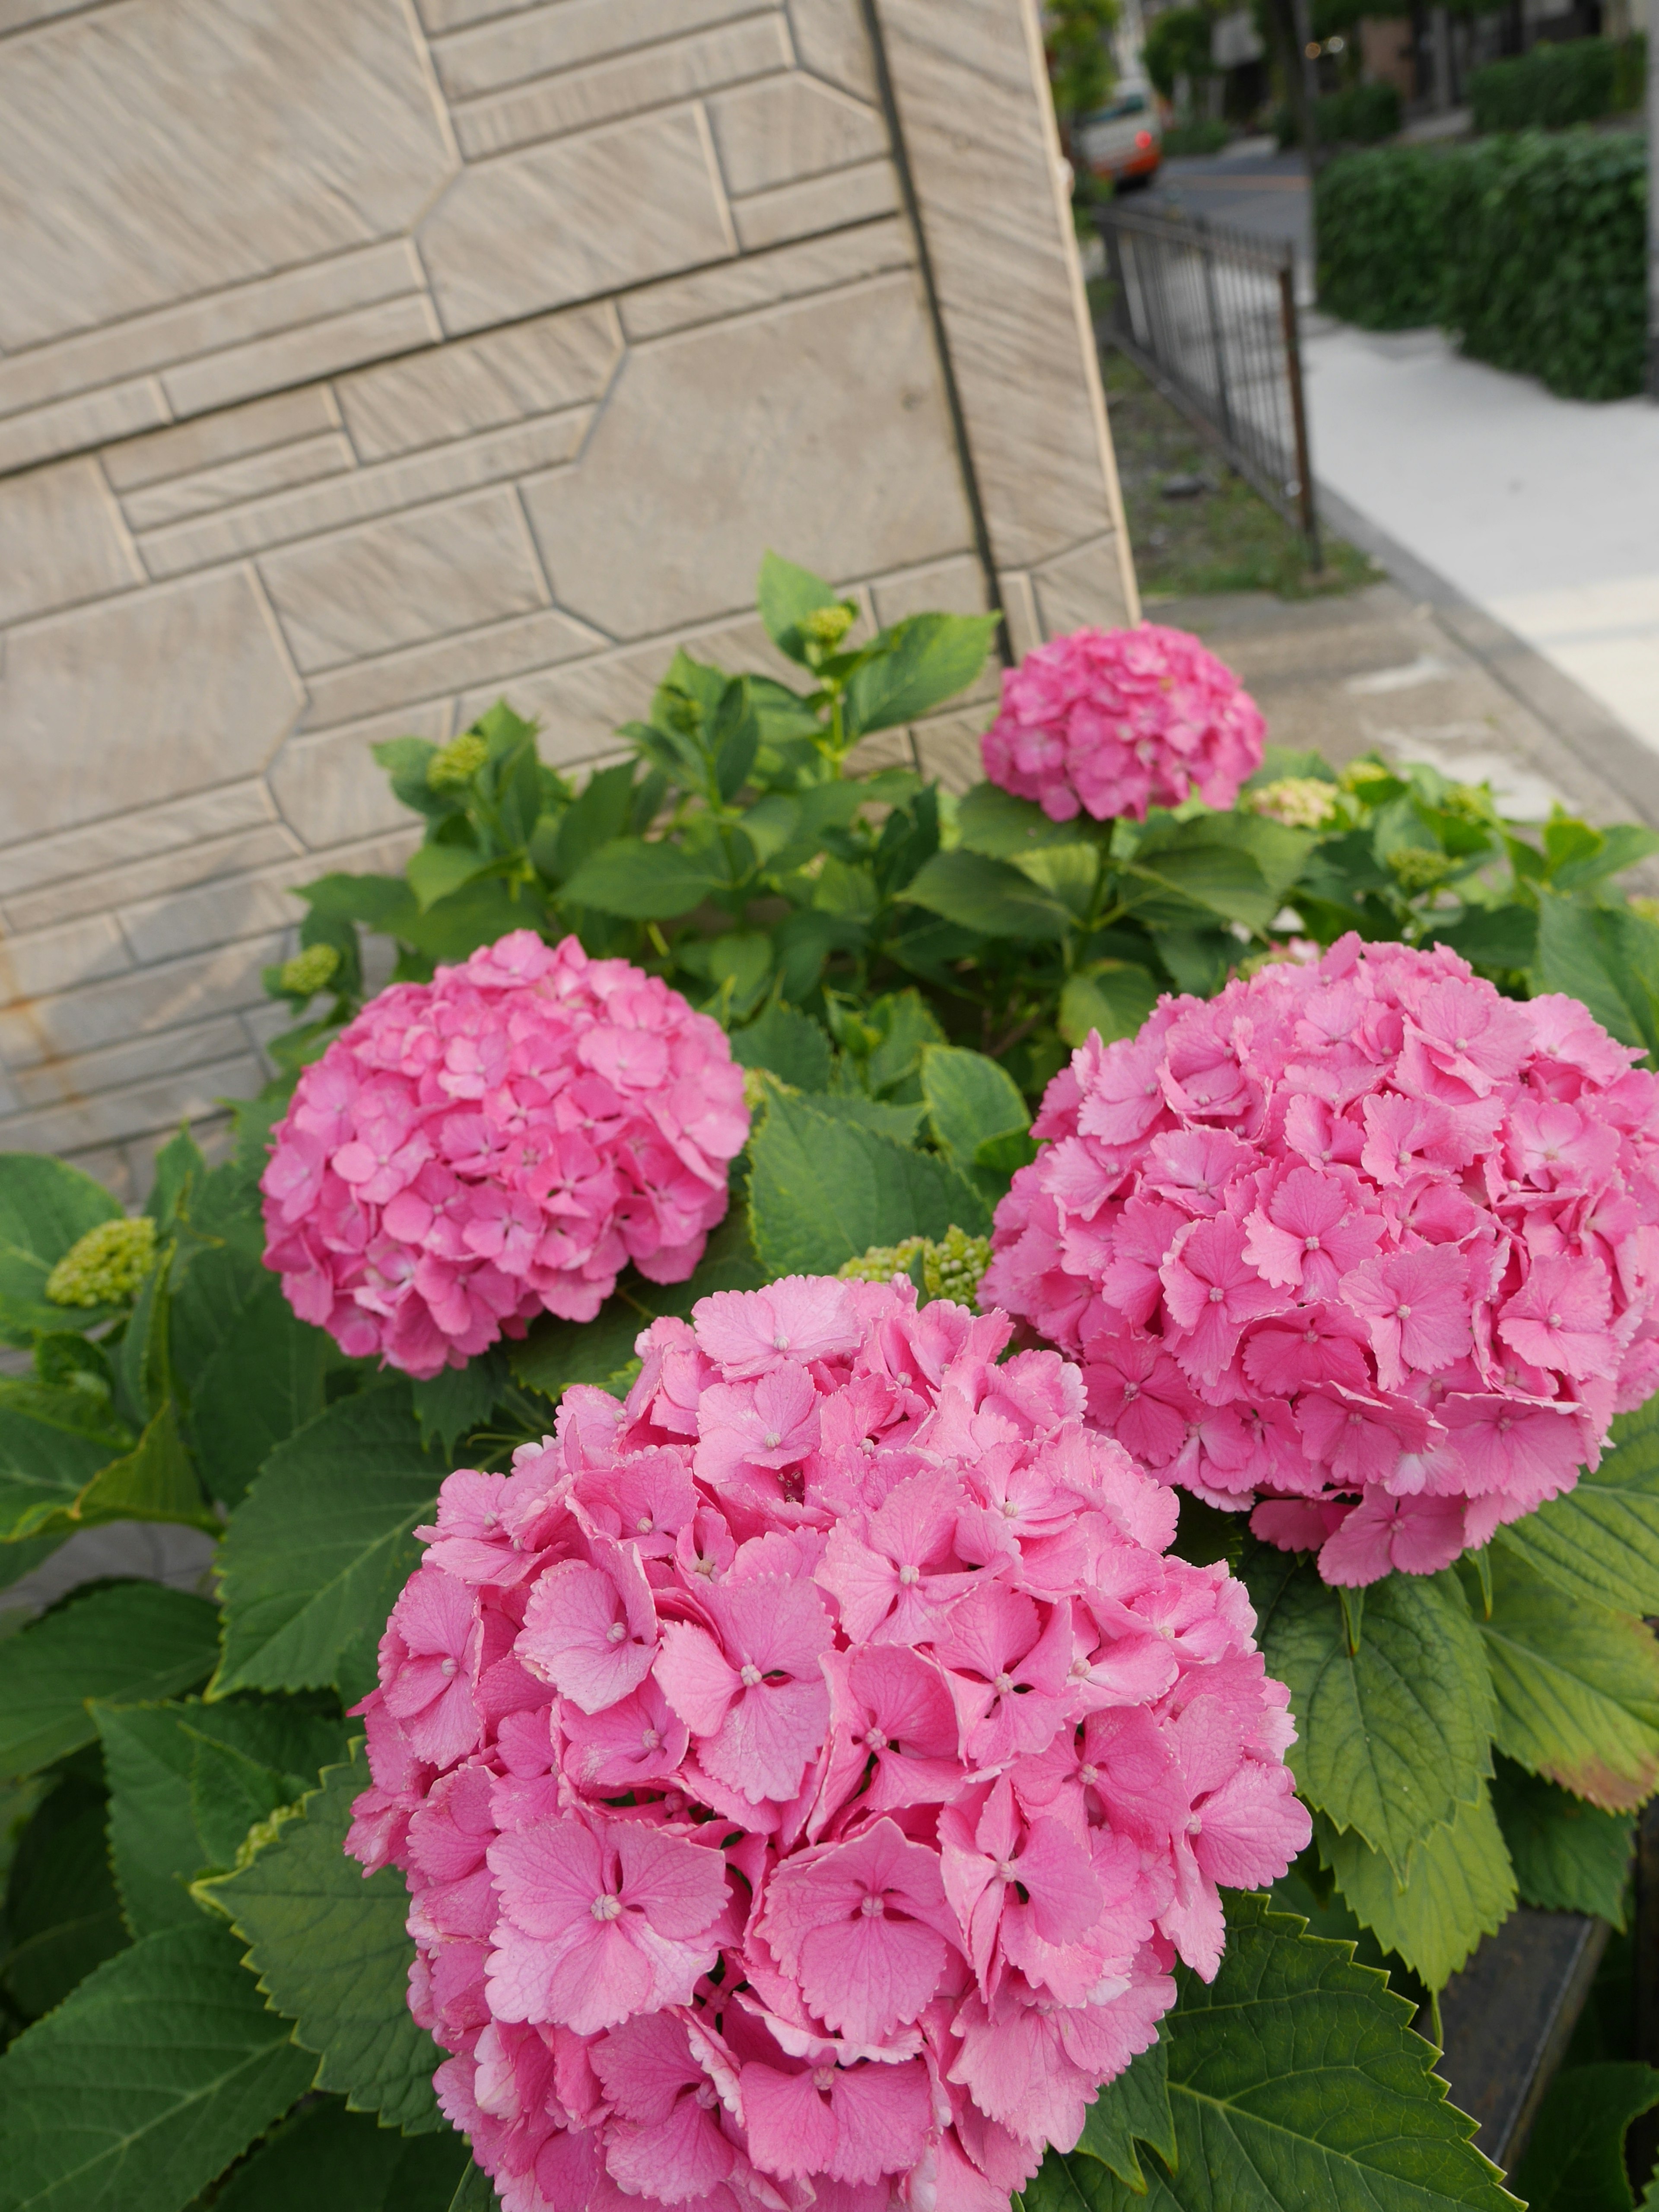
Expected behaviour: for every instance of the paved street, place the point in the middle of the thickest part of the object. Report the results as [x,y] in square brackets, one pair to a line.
[1251,187]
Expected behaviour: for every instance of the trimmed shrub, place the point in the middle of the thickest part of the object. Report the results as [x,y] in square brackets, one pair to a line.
[1630,77]
[1203,136]
[1531,250]
[1554,86]
[1547,268]
[1378,218]
[1358,115]
[1361,115]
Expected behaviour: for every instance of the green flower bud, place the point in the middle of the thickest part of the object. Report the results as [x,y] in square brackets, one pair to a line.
[105,1266]
[454,765]
[826,626]
[884,1263]
[1467,802]
[308,971]
[952,1268]
[1300,802]
[1417,869]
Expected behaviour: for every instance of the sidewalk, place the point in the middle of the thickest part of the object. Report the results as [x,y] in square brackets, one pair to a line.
[1542,513]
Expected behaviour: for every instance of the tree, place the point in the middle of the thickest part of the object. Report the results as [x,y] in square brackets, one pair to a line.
[1079,54]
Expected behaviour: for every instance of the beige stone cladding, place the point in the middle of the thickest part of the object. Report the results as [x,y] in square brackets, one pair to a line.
[362,360]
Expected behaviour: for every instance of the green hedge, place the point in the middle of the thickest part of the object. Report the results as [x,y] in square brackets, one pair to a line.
[1382,243]
[1554,86]
[1531,249]
[1546,266]
[1359,115]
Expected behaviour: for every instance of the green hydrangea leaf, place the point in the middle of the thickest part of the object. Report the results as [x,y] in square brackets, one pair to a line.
[332,1954]
[988,896]
[1574,2161]
[144,2084]
[62,1916]
[822,1192]
[1599,1541]
[45,1206]
[1604,956]
[1134,2107]
[457,1399]
[474,2192]
[1458,1887]
[323,1542]
[916,666]
[1295,2080]
[1164,886]
[901,1123]
[188,1780]
[1577,1685]
[1113,997]
[902,1026]
[123,1641]
[992,820]
[784,595]
[792,1045]
[180,1168]
[156,1480]
[263,1382]
[53,1442]
[1394,1735]
[330,2159]
[641,880]
[1568,1857]
[971,1100]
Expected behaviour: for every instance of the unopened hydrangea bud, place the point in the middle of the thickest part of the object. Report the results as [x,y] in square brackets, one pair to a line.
[1417,869]
[455,764]
[1300,802]
[826,626]
[309,971]
[105,1266]
[884,1263]
[952,1268]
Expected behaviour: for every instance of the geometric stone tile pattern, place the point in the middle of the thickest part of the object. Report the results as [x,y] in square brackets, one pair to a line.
[362,361]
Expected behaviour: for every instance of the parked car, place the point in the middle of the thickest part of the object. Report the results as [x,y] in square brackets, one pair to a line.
[1123,141]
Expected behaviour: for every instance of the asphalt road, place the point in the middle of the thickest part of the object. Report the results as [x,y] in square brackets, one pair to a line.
[1251,187]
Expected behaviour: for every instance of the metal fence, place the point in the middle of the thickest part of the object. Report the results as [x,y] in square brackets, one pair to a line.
[1209,315]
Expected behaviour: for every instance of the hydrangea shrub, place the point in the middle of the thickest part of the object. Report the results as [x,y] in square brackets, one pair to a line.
[496,1143]
[808,1771]
[1110,722]
[1359,1243]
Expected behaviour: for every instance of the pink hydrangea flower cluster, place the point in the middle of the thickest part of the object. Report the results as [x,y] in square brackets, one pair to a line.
[1361,1244]
[1113,721]
[496,1143]
[806,1770]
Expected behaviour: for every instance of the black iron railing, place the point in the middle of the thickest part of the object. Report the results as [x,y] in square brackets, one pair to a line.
[1209,315]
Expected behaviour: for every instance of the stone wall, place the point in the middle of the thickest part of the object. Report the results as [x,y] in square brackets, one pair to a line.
[363,359]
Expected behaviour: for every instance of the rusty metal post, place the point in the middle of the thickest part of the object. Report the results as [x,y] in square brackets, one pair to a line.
[1307,503]
[1217,335]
